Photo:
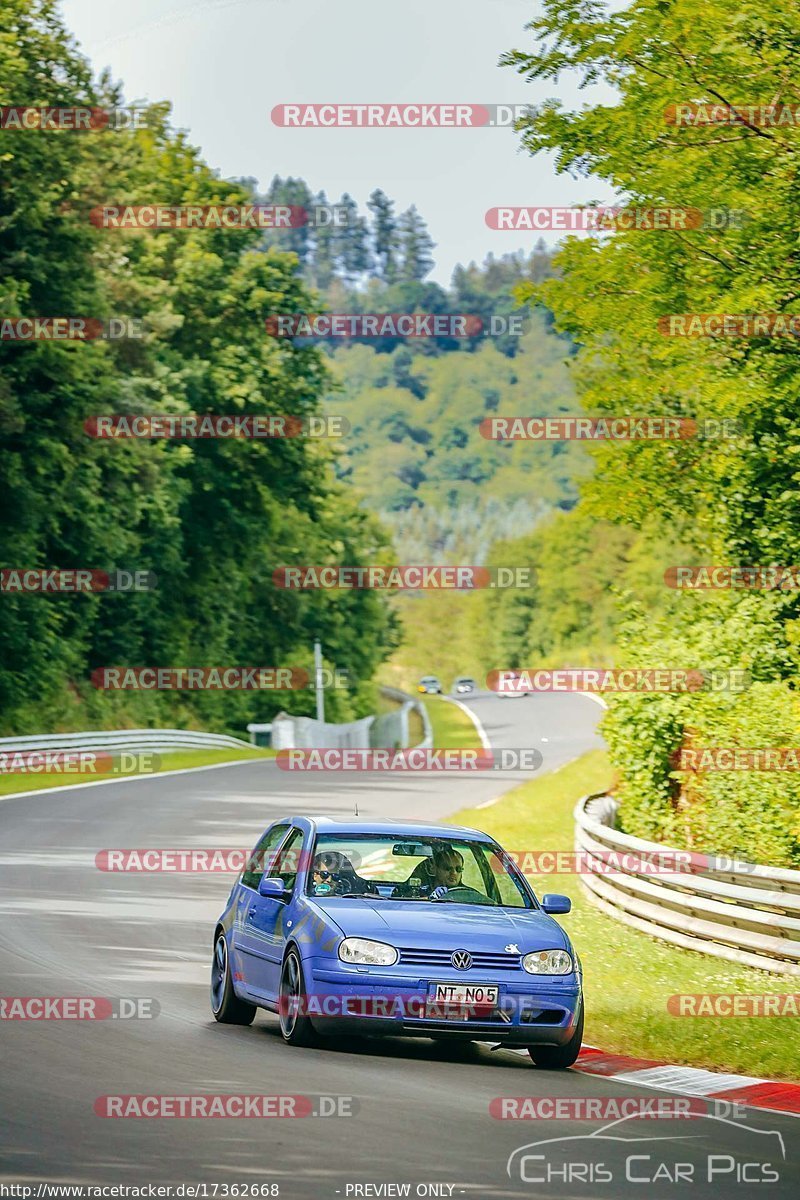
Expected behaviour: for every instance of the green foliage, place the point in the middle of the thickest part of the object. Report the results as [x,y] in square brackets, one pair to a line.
[212,519]
[729,500]
[416,454]
[748,814]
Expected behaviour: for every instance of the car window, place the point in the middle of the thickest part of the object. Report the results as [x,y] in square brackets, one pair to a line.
[285,863]
[251,876]
[473,877]
[389,869]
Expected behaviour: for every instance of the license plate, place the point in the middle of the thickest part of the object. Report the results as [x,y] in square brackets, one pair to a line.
[464,995]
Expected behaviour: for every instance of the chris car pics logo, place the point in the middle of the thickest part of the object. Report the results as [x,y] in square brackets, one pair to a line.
[619,1152]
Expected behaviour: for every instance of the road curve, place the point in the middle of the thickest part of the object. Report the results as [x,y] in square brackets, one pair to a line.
[67,928]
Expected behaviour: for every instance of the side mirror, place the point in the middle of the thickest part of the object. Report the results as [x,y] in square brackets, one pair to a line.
[553,903]
[273,888]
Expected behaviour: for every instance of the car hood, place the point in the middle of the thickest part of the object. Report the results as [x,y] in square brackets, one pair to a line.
[412,923]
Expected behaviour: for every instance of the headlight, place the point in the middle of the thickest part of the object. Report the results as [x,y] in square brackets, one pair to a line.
[367,953]
[548,962]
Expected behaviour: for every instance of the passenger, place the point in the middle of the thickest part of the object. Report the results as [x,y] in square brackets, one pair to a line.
[334,873]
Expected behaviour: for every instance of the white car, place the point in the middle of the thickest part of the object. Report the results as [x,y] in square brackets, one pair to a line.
[509,686]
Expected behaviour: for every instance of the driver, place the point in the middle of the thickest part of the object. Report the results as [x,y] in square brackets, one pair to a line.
[442,870]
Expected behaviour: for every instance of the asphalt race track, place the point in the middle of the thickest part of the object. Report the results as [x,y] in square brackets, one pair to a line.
[421,1109]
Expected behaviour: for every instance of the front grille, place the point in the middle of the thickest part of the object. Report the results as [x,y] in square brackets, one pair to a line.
[417,957]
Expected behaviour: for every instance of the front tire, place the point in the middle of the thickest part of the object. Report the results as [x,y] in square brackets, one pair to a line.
[226,1006]
[558,1058]
[296,1029]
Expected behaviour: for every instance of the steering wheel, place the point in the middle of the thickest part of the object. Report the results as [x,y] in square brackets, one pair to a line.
[467,895]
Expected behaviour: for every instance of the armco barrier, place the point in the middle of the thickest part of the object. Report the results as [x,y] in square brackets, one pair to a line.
[407,703]
[387,729]
[741,911]
[289,733]
[155,740]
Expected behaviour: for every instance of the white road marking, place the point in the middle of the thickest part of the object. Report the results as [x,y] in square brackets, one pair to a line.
[482,734]
[69,787]
[692,1081]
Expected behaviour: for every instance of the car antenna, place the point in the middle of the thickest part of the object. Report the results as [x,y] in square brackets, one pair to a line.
[355,804]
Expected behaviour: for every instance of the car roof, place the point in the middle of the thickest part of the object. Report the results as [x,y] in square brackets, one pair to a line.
[400,828]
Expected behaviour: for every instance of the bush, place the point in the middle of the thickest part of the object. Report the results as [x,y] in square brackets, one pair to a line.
[747,814]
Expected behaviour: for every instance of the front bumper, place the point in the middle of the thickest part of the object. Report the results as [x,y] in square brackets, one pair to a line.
[377,1001]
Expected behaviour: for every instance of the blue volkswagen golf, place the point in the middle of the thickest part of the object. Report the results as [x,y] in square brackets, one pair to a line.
[391,927]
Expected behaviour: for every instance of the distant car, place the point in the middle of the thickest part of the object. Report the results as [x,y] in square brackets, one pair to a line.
[463,685]
[396,927]
[429,684]
[509,686]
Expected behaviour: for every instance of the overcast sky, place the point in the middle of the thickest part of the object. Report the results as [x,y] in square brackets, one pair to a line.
[224,64]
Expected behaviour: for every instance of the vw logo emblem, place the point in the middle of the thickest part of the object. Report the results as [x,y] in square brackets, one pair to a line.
[461,960]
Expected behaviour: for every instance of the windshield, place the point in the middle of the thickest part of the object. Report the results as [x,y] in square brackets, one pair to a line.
[428,870]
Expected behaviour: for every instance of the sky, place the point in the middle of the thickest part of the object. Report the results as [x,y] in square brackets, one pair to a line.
[224,64]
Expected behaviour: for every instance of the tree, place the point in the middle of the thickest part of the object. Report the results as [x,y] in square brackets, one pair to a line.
[211,518]
[384,235]
[415,246]
[326,249]
[354,256]
[297,239]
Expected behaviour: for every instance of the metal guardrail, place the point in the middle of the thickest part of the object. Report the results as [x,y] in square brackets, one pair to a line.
[407,703]
[389,729]
[744,912]
[125,739]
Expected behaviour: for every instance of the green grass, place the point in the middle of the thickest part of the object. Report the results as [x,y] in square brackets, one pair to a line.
[174,760]
[628,975]
[452,728]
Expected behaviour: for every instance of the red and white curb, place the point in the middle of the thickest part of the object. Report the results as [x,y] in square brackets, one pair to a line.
[767,1094]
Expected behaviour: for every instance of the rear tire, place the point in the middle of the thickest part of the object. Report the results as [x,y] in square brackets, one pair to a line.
[296,1029]
[558,1058]
[226,1006]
